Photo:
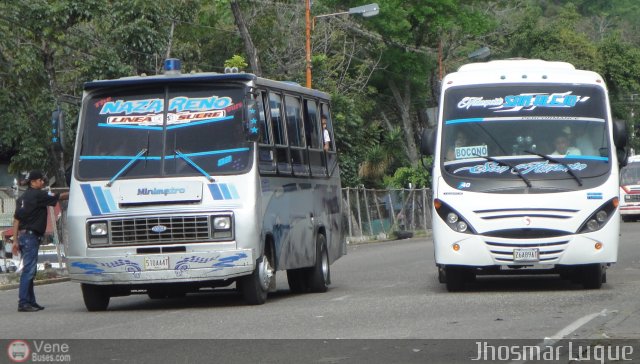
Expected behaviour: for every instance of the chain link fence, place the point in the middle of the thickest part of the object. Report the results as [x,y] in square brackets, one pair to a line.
[373,214]
[384,214]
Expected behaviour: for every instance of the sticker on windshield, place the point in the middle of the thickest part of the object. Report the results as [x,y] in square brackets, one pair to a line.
[471,152]
[181,110]
[526,101]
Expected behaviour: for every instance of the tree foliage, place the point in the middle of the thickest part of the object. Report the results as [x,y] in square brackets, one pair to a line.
[382,72]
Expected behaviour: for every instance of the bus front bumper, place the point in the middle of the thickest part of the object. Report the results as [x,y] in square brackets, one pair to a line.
[161,268]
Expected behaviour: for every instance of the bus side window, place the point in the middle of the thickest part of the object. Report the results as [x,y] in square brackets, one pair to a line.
[266,153]
[296,135]
[283,161]
[313,133]
[327,136]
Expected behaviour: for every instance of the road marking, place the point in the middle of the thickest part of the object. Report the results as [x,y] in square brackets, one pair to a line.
[573,327]
[566,331]
[342,298]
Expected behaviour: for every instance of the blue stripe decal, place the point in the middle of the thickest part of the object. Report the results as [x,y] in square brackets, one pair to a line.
[588,157]
[90,199]
[460,121]
[234,193]
[101,200]
[225,191]
[115,157]
[195,123]
[140,127]
[213,152]
[215,192]
[110,200]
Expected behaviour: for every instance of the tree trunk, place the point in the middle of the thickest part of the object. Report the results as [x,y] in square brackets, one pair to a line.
[251,50]
[403,102]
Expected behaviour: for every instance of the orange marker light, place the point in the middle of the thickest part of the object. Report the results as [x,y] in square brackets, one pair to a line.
[456,247]
[598,246]
[615,202]
[437,204]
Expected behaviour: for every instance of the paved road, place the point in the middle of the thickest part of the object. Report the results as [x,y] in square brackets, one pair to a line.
[380,291]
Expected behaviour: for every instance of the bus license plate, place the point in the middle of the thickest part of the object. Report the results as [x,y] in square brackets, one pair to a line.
[526,255]
[156,263]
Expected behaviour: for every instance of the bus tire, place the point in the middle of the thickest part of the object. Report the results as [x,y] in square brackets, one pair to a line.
[320,273]
[297,279]
[455,277]
[592,276]
[96,298]
[255,287]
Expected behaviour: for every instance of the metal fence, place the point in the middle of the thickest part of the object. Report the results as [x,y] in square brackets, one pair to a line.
[382,214]
[372,214]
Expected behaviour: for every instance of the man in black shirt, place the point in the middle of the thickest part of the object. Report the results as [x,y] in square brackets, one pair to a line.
[29,226]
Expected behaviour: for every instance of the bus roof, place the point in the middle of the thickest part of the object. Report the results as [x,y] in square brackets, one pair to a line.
[633,159]
[202,77]
[521,71]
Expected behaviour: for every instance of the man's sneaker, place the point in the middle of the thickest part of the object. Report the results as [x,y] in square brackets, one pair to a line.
[37,306]
[27,308]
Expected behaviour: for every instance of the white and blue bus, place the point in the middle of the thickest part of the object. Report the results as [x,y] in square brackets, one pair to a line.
[525,173]
[183,182]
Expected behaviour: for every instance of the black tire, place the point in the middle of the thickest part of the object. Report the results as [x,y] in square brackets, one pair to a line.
[593,276]
[297,279]
[320,273]
[96,298]
[442,278]
[255,287]
[455,277]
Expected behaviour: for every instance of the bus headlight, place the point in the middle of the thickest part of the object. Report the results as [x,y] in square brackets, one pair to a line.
[455,221]
[600,217]
[98,229]
[98,233]
[222,227]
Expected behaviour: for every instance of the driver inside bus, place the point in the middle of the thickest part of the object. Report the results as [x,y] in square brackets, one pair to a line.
[563,146]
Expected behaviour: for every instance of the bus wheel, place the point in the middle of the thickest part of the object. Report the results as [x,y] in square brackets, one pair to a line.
[320,274]
[593,276]
[96,298]
[255,286]
[297,279]
[455,277]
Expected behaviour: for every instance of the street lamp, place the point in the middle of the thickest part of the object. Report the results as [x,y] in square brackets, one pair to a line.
[364,10]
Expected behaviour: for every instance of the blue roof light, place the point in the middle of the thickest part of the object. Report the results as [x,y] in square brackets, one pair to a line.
[172,66]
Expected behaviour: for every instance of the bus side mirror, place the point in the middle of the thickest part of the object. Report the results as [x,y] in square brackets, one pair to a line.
[620,134]
[57,130]
[428,142]
[623,157]
[251,126]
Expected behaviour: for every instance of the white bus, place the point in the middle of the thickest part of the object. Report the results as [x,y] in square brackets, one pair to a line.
[525,173]
[183,182]
[630,190]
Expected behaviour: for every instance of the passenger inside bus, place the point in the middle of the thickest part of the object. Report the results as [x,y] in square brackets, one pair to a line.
[461,140]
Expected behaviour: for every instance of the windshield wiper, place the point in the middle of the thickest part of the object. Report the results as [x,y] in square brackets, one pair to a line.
[557,161]
[194,165]
[513,168]
[142,152]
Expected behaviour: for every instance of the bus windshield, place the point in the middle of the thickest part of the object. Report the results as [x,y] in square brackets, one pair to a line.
[630,174]
[156,131]
[524,133]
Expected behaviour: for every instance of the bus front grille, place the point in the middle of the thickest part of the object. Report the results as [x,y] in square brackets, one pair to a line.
[166,229]
[549,252]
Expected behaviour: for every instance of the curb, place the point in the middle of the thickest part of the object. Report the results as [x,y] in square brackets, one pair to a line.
[41,282]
